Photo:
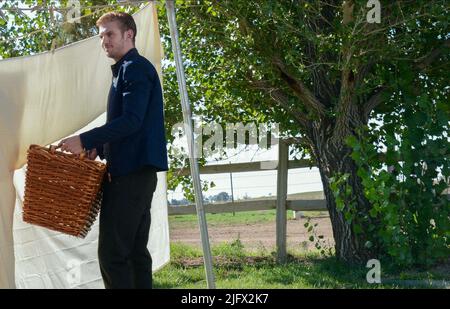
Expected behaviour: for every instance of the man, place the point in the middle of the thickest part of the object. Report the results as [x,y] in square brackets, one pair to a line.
[134,145]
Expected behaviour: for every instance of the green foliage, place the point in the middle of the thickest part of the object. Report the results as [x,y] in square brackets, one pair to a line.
[179,250]
[234,250]
[346,203]
[232,47]
[318,240]
[404,168]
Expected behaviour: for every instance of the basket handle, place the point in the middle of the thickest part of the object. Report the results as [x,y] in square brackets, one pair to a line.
[52,149]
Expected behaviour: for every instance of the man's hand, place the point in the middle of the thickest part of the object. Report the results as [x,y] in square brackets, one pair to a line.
[72,144]
[92,154]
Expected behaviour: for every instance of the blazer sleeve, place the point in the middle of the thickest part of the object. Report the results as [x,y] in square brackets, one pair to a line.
[137,87]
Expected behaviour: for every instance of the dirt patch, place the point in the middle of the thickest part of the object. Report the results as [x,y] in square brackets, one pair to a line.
[258,235]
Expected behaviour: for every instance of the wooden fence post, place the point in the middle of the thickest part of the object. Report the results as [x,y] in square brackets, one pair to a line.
[281,220]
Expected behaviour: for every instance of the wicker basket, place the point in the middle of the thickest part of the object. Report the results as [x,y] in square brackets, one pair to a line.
[62,191]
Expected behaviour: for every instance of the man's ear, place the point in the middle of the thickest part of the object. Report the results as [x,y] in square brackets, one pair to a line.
[130,34]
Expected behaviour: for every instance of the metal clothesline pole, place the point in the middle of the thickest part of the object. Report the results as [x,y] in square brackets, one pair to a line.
[187,117]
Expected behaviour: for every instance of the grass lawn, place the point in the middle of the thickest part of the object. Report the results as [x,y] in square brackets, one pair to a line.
[237,268]
[243,217]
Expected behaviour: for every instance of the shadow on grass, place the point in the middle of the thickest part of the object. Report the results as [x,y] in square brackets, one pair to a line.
[311,272]
[234,268]
[260,272]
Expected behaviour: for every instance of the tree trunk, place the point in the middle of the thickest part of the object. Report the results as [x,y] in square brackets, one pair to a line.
[334,159]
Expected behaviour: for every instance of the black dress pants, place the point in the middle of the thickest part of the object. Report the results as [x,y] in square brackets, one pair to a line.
[125,261]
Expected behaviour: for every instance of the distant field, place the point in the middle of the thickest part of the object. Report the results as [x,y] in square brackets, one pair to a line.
[243,217]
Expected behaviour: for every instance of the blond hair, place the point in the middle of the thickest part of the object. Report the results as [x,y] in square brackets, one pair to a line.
[126,21]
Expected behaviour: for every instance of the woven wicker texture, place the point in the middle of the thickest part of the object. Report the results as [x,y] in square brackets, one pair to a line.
[62,191]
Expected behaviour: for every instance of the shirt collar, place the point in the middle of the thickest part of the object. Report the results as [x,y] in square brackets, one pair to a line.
[116,66]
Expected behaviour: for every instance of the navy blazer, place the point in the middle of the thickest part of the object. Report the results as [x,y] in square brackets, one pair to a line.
[134,135]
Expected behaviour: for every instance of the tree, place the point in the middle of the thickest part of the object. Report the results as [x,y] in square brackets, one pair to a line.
[321,76]
[221,197]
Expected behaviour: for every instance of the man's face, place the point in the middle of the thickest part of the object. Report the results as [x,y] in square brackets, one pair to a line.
[114,42]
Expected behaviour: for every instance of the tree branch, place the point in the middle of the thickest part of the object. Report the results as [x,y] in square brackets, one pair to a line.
[423,62]
[299,89]
[363,72]
[346,115]
[374,101]
[281,98]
